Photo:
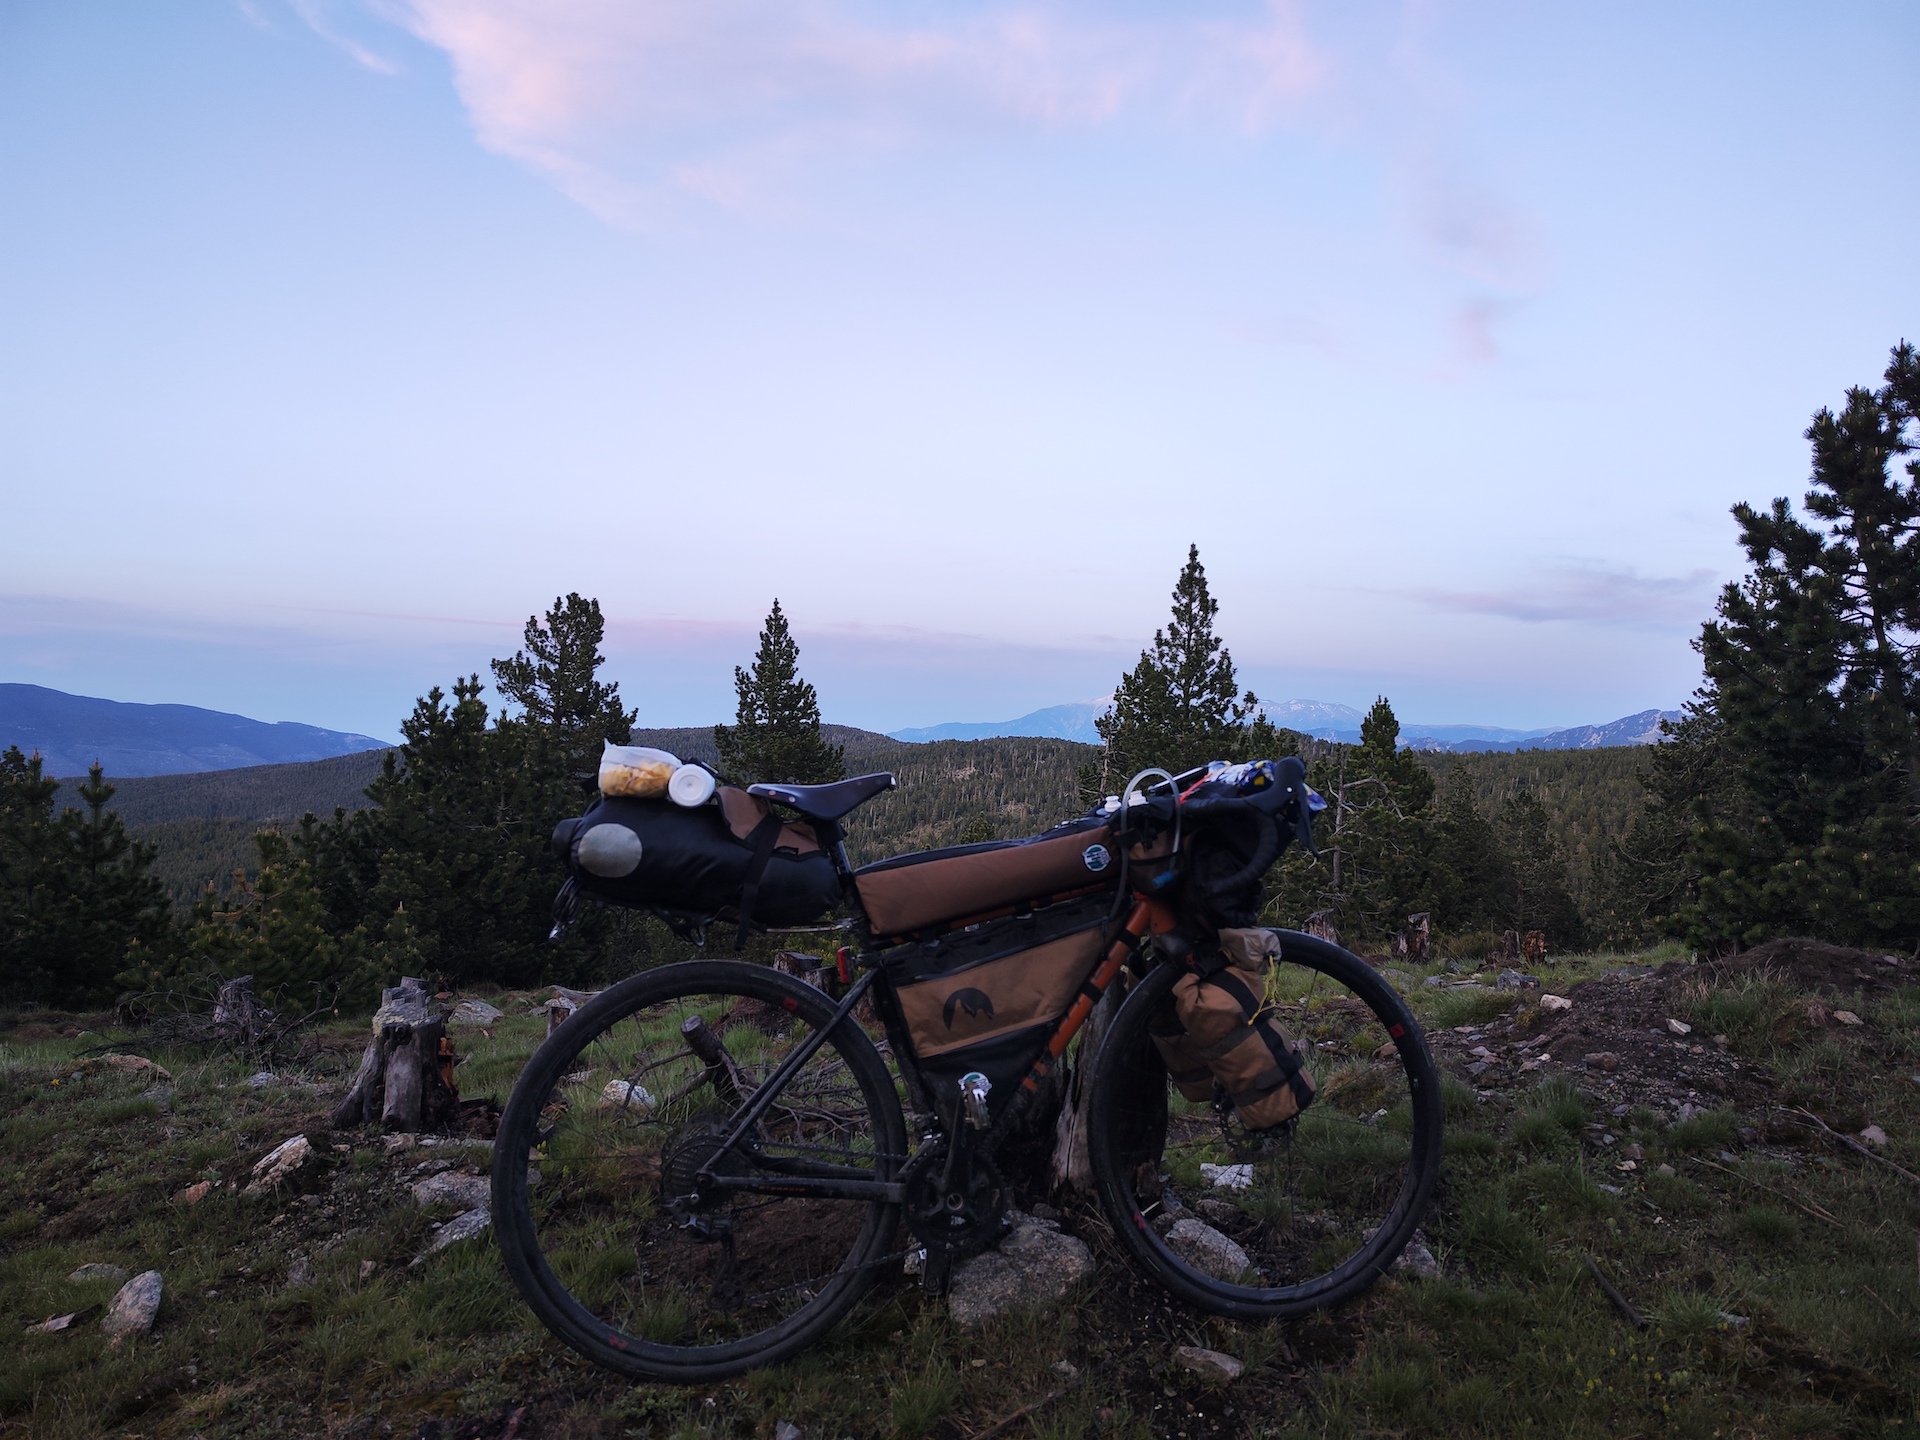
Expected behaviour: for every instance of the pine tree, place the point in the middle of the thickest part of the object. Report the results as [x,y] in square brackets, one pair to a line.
[1537,894]
[1812,680]
[776,736]
[1180,706]
[554,681]
[75,890]
[1375,839]
[1472,870]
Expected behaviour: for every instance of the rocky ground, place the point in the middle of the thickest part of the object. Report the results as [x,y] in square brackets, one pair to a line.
[1720,1142]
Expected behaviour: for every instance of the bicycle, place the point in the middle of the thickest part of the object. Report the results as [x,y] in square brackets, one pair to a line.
[704,1168]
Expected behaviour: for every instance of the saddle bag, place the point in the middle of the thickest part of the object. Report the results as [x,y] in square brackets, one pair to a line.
[732,851]
[1220,1032]
[985,998]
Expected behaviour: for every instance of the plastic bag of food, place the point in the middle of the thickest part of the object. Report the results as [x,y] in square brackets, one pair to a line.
[636,772]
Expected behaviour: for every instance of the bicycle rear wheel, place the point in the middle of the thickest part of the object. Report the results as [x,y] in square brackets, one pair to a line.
[620,1247]
[1279,1223]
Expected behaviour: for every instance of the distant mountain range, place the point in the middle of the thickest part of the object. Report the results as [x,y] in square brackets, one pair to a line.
[1323,721]
[71,732]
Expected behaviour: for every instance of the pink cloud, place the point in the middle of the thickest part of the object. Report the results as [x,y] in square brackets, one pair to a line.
[617,101]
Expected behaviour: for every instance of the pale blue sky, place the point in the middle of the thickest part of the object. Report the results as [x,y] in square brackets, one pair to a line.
[337,338]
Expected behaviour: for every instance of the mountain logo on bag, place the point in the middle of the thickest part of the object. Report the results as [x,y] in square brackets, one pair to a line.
[974,1002]
[1096,858]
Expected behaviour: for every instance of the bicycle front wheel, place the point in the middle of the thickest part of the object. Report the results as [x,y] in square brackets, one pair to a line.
[1273,1224]
[645,1240]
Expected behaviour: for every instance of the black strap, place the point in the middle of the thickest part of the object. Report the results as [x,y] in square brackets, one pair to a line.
[761,837]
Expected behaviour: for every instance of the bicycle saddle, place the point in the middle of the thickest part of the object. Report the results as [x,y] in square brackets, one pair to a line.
[827,802]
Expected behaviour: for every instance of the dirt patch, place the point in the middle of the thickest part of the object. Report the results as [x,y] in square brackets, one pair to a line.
[1810,965]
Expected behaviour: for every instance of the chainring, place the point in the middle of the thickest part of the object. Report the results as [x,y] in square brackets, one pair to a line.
[964,1221]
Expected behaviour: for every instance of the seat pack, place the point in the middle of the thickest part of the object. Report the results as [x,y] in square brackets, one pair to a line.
[732,852]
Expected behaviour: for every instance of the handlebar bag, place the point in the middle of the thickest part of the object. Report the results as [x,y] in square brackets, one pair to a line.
[732,851]
[1221,1036]
[986,998]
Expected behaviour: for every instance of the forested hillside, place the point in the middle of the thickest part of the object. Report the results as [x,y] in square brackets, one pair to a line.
[1590,796]
[203,825]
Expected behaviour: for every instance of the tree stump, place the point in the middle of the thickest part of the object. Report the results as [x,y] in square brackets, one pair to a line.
[238,1017]
[401,1083]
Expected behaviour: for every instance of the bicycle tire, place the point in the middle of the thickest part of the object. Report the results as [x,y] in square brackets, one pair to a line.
[1114,1117]
[520,1136]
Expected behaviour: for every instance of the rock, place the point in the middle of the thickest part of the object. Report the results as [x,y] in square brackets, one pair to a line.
[1045,1212]
[465,1191]
[407,1003]
[1679,1027]
[1732,1321]
[1514,980]
[55,1324]
[473,1012]
[1434,982]
[1205,1248]
[1066,1369]
[1417,1259]
[279,1163]
[367,1267]
[1666,1170]
[1603,1060]
[405,1140]
[787,1430]
[1033,1266]
[1609,1189]
[1217,1209]
[260,1079]
[622,1095]
[1209,1364]
[299,1273]
[1227,1177]
[136,1065]
[1633,1152]
[461,1227]
[1555,1002]
[98,1271]
[1847,1017]
[133,1309]
[161,1095]
[194,1193]
[1874,1136]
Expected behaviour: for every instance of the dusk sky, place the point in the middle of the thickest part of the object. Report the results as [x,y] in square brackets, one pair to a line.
[337,338]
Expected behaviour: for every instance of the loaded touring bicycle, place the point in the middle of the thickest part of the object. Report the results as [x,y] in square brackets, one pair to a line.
[708,1164]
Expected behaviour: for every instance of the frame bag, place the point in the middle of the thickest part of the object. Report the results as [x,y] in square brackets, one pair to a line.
[985,998]
[1221,1033]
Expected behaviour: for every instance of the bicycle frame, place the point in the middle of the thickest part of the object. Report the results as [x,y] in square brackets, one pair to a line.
[804,1178]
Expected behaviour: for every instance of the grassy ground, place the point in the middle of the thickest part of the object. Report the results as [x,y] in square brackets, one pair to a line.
[1674,1169]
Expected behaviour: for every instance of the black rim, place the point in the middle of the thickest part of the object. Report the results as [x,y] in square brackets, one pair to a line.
[600,1249]
[1362,1158]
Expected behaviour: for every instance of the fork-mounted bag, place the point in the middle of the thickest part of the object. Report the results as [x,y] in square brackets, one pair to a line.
[1220,1031]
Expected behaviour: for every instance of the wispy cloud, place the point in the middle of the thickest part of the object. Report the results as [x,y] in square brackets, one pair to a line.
[1592,594]
[623,102]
